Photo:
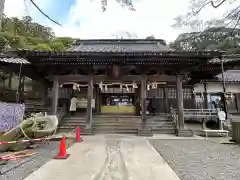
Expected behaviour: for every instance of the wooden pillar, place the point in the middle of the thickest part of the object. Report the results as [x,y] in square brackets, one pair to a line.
[55,91]
[89,102]
[143,98]
[179,92]
[97,106]
[205,96]
[10,80]
[45,95]
[165,94]
[238,101]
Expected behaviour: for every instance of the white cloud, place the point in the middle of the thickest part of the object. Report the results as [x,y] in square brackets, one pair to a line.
[152,17]
[14,8]
[87,21]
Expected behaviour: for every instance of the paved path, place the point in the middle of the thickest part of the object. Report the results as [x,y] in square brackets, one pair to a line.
[108,157]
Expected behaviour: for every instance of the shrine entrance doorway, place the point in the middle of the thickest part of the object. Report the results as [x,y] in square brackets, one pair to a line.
[118,100]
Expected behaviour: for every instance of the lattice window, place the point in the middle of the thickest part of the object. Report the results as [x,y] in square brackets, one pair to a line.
[160,93]
[199,101]
[172,93]
[187,93]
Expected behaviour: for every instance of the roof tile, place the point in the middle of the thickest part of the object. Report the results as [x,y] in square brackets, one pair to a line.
[14,60]
[156,45]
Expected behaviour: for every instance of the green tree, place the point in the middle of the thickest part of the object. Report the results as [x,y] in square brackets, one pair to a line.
[209,39]
[42,47]
[26,34]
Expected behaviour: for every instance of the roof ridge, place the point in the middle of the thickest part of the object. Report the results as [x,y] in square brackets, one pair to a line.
[123,41]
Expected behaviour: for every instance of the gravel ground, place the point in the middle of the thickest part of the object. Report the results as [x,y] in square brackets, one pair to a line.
[45,153]
[200,159]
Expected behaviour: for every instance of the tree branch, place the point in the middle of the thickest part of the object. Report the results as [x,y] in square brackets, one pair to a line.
[216,6]
[36,6]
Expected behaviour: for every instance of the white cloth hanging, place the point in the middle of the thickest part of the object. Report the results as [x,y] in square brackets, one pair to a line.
[73,105]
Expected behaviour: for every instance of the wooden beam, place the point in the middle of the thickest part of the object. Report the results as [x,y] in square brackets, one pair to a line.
[89,103]
[179,92]
[165,94]
[97,100]
[55,91]
[143,98]
[126,78]
[205,96]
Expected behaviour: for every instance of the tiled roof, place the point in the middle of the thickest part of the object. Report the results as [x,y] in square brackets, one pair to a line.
[14,60]
[120,45]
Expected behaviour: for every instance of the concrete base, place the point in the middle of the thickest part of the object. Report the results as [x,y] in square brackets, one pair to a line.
[87,131]
[184,133]
[145,132]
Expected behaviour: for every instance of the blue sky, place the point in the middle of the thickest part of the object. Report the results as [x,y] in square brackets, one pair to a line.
[85,19]
[56,9]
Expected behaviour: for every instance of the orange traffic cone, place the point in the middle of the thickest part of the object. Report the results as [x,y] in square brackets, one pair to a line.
[78,135]
[62,150]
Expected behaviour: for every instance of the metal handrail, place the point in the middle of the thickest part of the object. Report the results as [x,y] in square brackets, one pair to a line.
[199,112]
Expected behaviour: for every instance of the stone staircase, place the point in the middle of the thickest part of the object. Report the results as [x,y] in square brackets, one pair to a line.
[161,124]
[116,124]
[69,123]
[119,124]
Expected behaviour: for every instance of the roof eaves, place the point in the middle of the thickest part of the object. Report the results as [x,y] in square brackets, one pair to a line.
[14,60]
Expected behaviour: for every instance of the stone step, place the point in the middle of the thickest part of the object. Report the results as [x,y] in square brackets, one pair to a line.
[116,116]
[115,123]
[160,123]
[147,132]
[75,119]
[71,126]
[67,122]
[115,131]
[164,131]
[159,127]
[115,127]
[116,119]
[164,127]
[83,131]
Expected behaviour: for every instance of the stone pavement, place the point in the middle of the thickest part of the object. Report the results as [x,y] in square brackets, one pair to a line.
[108,157]
[201,159]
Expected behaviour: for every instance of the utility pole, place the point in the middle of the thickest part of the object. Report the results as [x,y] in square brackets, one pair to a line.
[2,3]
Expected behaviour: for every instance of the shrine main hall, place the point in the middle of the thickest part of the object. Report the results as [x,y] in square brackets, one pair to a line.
[120,76]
